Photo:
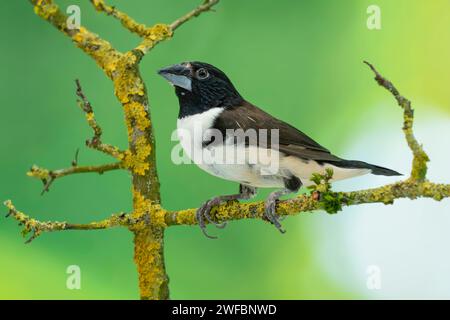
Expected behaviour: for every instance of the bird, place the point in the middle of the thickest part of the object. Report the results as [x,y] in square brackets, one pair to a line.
[231,138]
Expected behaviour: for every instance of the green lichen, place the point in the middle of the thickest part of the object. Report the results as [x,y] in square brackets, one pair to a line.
[330,201]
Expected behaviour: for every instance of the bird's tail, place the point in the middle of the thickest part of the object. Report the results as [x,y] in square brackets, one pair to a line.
[377,170]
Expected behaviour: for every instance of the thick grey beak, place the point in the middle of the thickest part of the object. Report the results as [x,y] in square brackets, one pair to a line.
[178,75]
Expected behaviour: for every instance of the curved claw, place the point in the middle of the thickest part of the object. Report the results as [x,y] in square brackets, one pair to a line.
[219,225]
[206,208]
[202,213]
[201,223]
[269,214]
[245,192]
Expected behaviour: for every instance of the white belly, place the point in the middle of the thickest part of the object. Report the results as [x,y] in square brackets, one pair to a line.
[248,165]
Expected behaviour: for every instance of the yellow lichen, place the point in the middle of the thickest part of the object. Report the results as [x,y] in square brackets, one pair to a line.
[158,216]
[45,8]
[159,32]
[38,172]
[154,35]
[140,203]
[148,256]
[127,82]
[137,161]
[102,51]
[148,247]
[98,4]
[90,116]
[135,113]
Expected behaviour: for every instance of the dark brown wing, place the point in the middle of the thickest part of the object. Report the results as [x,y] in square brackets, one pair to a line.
[291,140]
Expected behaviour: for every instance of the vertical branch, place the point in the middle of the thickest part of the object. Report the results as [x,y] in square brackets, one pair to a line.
[149,259]
[140,159]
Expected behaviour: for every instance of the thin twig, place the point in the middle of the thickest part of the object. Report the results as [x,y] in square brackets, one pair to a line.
[49,176]
[160,32]
[205,6]
[36,227]
[419,166]
[75,159]
[96,141]
[128,22]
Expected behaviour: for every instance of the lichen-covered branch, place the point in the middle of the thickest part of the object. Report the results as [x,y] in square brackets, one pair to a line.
[36,227]
[128,22]
[416,186]
[49,176]
[306,203]
[100,50]
[154,34]
[96,141]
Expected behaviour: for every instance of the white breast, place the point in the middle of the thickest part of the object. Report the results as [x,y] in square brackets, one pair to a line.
[217,159]
[191,132]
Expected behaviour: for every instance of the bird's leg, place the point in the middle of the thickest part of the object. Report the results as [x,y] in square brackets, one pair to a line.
[245,192]
[292,185]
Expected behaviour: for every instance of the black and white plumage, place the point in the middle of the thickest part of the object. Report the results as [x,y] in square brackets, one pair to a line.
[213,122]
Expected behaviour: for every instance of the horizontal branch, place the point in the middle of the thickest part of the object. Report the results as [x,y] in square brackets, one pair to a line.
[49,176]
[307,203]
[36,227]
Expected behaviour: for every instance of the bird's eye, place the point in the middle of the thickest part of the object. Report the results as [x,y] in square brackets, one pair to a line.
[202,74]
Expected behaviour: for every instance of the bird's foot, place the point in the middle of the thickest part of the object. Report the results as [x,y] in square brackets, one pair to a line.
[271,215]
[292,185]
[204,214]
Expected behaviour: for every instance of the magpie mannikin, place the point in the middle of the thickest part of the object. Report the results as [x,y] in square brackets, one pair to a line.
[210,104]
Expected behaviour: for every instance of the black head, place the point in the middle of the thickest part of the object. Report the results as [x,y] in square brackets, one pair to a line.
[200,87]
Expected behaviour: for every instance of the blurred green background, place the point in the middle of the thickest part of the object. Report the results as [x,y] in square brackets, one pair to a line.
[299,60]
